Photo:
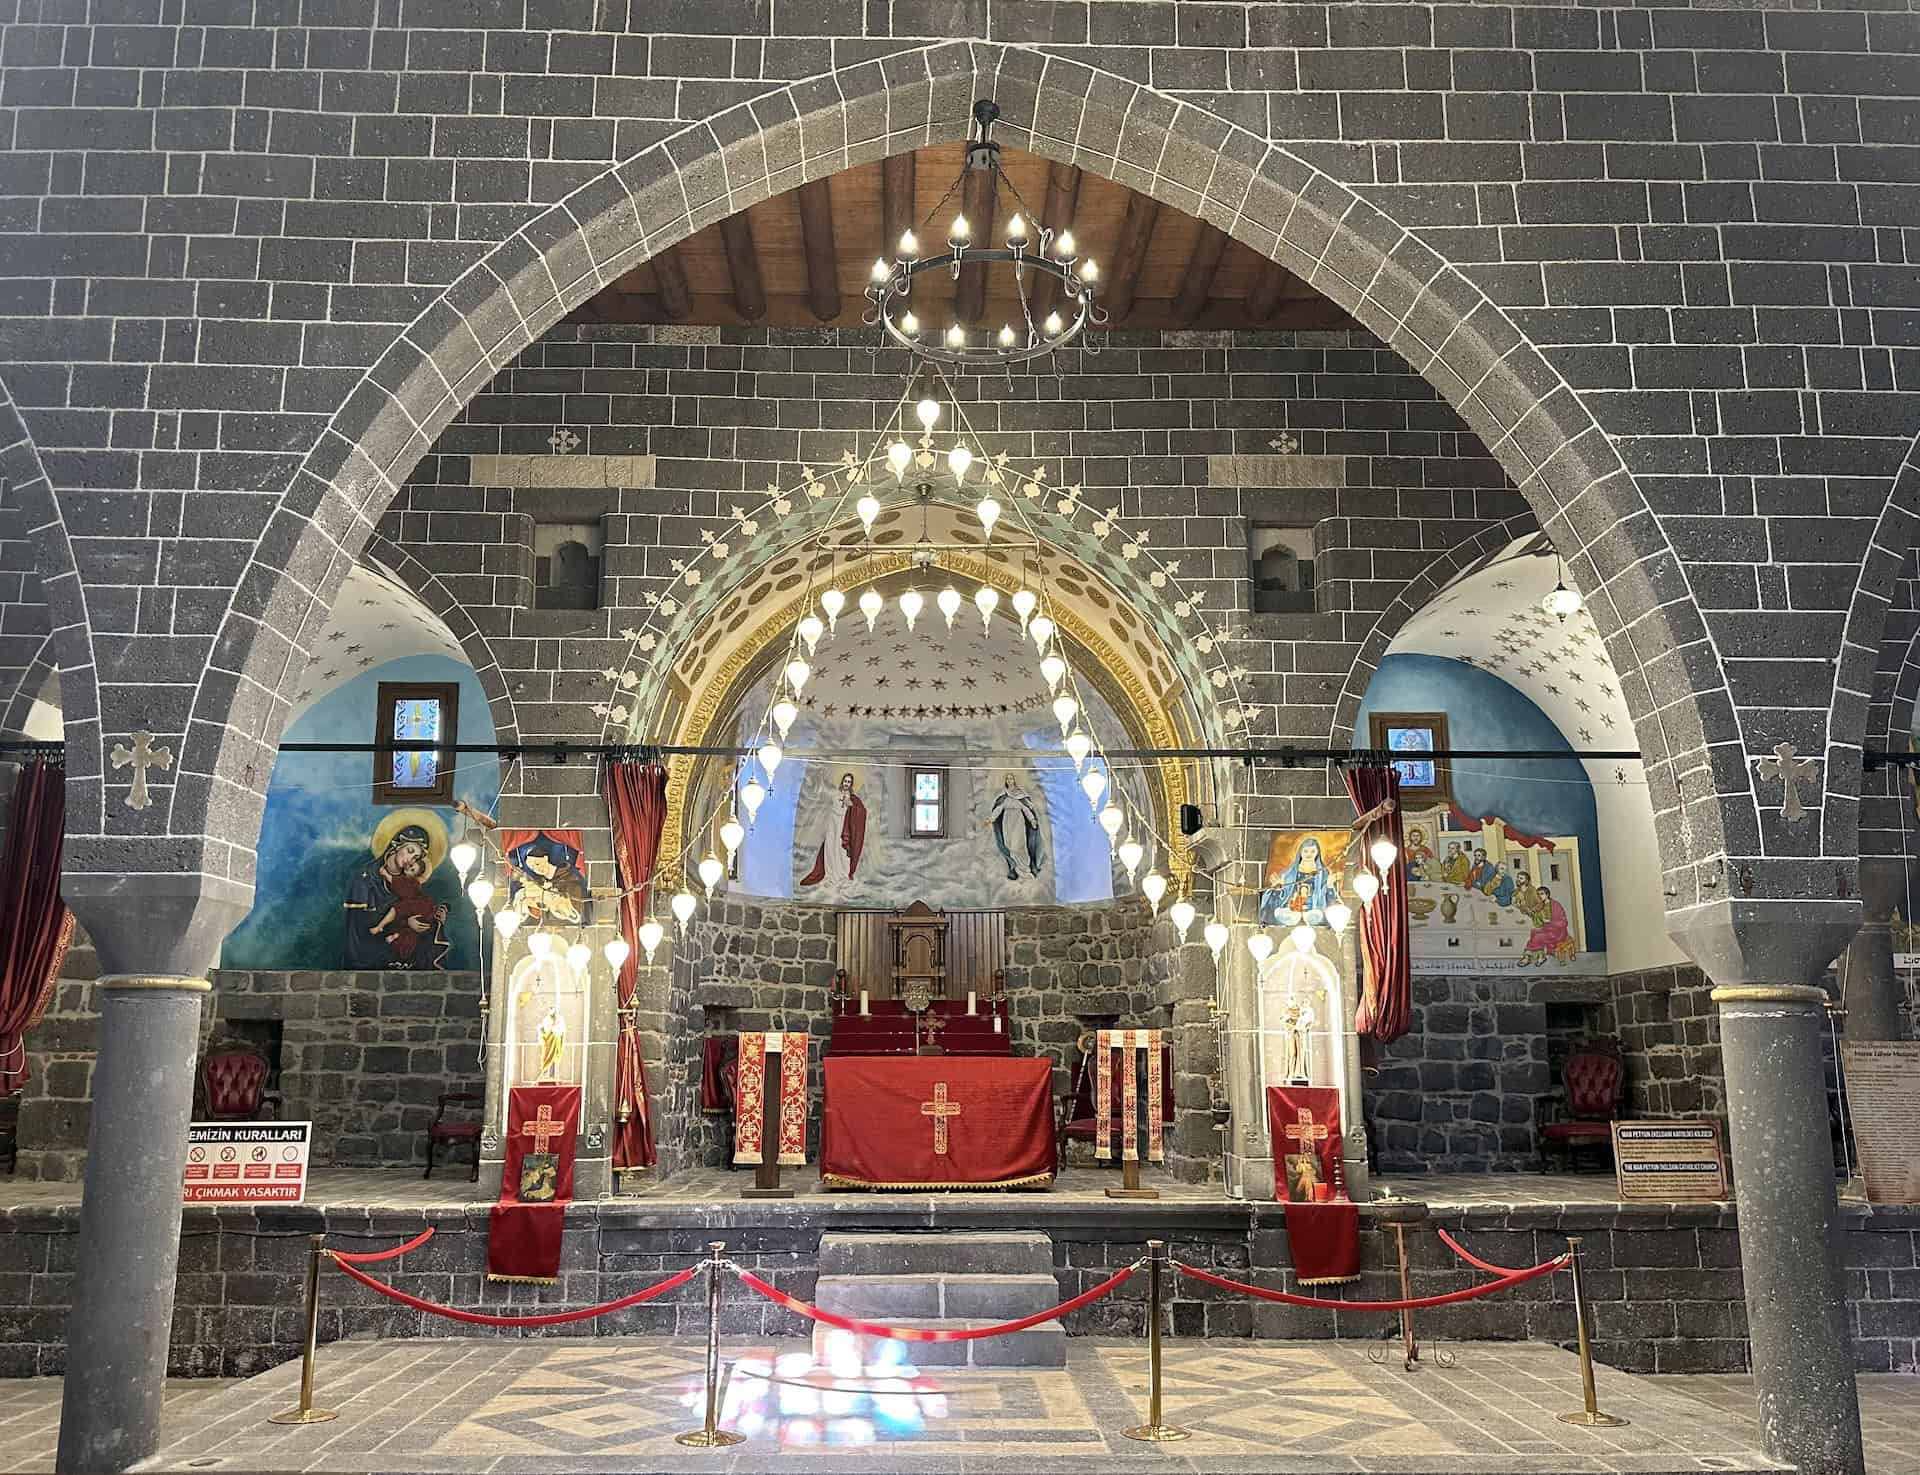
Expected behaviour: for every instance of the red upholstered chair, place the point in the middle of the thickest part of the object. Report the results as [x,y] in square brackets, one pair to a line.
[10,1131]
[233,1085]
[453,1132]
[1076,1116]
[1594,1080]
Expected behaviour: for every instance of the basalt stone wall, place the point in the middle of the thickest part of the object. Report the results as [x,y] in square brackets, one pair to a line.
[1664,1284]
[56,1104]
[1669,1035]
[363,1055]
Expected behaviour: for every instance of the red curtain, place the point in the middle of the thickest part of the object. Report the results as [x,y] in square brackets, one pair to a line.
[38,927]
[1386,1001]
[637,801]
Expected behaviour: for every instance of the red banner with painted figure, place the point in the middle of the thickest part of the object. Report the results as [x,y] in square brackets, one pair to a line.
[536,1183]
[937,1121]
[1323,1227]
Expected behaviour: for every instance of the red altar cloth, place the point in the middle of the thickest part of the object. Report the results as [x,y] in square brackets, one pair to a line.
[523,1238]
[937,1121]
[887,1029]
[1323,1236]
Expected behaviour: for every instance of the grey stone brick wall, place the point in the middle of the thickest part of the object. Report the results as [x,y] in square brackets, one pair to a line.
[364,1056]
[1659,258]
[1669,1033]
[1664,1284]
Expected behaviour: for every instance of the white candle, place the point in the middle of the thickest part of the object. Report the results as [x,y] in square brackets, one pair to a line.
[996,1024]
[863,1001]
[970,1003]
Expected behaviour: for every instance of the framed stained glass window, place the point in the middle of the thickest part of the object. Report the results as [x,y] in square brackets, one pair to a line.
[413,713]
[927,797]
[1415,741]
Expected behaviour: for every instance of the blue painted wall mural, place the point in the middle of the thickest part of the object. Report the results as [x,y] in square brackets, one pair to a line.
[1536,798]
[324,842]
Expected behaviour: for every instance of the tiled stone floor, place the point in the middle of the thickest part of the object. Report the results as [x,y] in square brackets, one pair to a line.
[593,1405]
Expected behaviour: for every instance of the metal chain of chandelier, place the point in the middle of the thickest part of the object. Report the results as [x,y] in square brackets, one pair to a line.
[1033,251]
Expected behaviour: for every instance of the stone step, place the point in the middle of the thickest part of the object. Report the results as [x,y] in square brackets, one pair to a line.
[1044,1345]
[936,1254]
[890,1297]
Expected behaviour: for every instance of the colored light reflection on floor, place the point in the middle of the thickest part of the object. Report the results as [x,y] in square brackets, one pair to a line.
[862,1391]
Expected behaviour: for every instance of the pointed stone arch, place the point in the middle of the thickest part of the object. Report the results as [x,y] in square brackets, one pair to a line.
[1065,110]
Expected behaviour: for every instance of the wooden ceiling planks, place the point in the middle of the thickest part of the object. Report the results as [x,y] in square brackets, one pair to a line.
[1161,268]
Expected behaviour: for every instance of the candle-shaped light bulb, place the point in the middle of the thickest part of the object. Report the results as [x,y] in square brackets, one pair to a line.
[1016,229]
[949,602]
[1089,270]
[1053,325]
[909,245]
[1063,245]
[870,605]
[986,600]
[880,269]
[956,336]
[959,231]
[1007,340]
[909,325]
[910,606]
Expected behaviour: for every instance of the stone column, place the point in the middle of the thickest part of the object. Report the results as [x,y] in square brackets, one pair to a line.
[1874,994]
[1783,1167]
[122,1318]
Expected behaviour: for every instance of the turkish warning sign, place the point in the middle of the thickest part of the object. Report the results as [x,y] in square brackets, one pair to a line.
[247,1162]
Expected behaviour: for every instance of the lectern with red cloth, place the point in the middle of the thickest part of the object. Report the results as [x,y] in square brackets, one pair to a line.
[1322,1234]
[523,1235]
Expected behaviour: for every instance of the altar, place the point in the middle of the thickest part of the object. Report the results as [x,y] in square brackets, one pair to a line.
[937,1122]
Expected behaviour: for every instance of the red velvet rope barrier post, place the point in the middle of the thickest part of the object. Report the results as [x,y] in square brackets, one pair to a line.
[371,1257]
[1415,1304]
[553,1318]
[927,1334]
[1472,1259]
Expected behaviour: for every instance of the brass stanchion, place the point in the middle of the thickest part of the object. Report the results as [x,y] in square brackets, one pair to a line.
[1153,1430]
[306,1413]
[711,1435]
[1589,1415]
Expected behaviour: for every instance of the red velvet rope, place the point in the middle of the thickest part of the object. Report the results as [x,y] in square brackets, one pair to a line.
[552,1318]
[927,1334]
[1416,1304]
[1472,1259]
[372,1256]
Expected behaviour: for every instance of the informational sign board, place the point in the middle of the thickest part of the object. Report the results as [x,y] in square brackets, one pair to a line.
[1669,1162]
[1883,1099]
[247,1162]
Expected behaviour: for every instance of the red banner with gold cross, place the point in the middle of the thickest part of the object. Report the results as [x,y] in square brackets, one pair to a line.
[749,1121]
[536,1182]
[1323,1227]
[942,1121]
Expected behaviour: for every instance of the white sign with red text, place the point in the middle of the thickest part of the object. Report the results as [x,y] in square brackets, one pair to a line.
[247,1162]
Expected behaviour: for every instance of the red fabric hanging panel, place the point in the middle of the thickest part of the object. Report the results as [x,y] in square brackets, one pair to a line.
[33,944]
[637,803]
[1386,999]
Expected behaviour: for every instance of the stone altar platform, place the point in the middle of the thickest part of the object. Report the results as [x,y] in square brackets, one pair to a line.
[595,1405]
[1664,1279]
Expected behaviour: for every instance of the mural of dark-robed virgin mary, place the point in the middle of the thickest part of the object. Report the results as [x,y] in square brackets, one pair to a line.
[391,921]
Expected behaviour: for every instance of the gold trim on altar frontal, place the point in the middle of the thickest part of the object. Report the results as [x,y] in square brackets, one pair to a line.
[1805,994]
[1112,675]
[153,983]
[1032,1180]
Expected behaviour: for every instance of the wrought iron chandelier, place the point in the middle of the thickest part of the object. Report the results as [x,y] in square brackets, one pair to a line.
[1033,251]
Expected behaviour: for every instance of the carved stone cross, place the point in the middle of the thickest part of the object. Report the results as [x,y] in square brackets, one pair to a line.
[1783,765]
[141,756]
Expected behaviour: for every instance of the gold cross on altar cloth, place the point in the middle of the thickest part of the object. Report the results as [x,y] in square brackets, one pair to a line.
[940,1109]
[1304,1130]
[543,1126]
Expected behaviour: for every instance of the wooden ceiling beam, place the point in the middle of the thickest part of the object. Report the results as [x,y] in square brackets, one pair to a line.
[1267,290]
[670,272]
[1196,286]
[979,198]
[743,267]
[816,240]
[896,202]
[1130,254]
[1056,214]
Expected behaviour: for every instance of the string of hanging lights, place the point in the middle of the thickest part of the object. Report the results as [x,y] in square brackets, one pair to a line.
[1032,251]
